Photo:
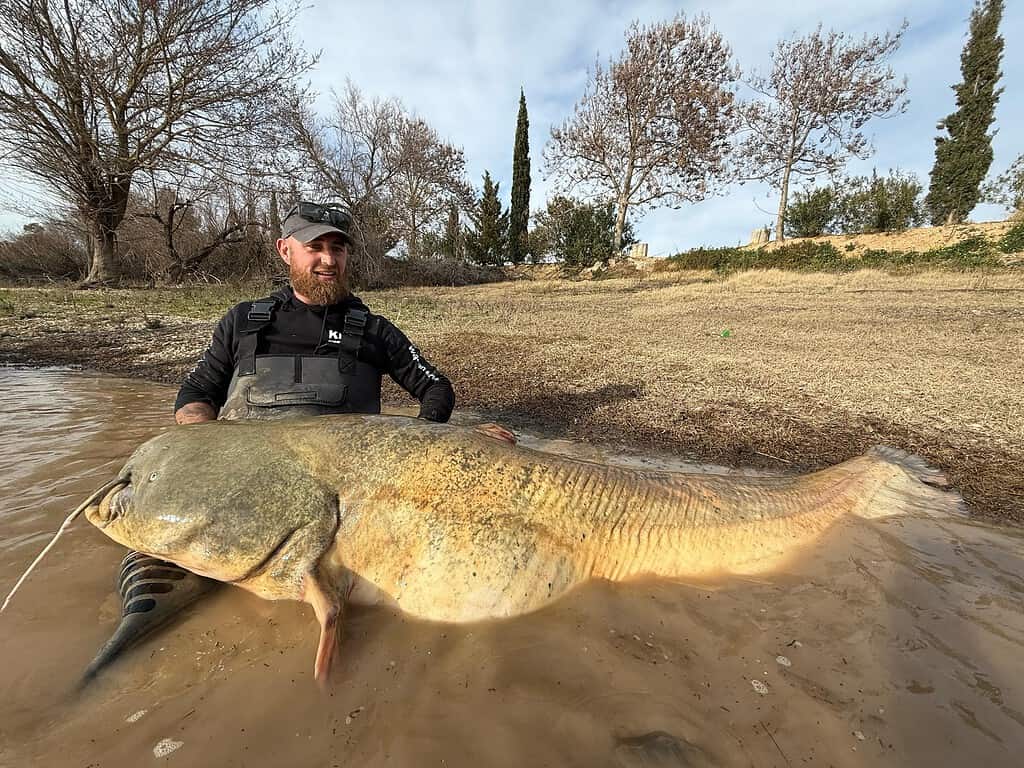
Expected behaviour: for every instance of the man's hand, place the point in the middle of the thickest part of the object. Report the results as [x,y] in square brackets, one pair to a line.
[497,431]
[195,413]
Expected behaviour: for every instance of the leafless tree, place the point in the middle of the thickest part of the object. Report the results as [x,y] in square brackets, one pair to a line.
[203,204]
[430,179]
[810,111]
[391,169]
[353,157]
[92,91]
[653,125]
[1007,189]
[195,221]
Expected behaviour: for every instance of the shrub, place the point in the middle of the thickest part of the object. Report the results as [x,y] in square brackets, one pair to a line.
[805,257]
[43,252]
[857,204]
[577,233]
[425,272]
[799,257]
[874,204]
[1013,240]
[972,253]
[975,251]
[718,259]
[812,212]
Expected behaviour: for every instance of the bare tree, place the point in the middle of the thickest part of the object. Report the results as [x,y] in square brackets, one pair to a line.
[430,179]
[1007,189]
[196,221]
[92,91]
[654,125]
[822,90]
[353,157]
[202,204]
[390,168]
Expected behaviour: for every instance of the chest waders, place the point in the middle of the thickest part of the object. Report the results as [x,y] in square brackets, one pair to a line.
[287,386]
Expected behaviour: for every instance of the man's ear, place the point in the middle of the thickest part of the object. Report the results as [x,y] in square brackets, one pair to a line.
[283,251]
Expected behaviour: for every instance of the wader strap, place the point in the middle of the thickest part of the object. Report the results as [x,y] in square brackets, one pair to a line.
[351,340]
[260,315]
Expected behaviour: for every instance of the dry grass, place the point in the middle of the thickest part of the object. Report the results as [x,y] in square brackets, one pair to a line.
[763,368]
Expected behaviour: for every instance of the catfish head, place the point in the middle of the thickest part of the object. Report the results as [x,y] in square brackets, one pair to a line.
[224,507]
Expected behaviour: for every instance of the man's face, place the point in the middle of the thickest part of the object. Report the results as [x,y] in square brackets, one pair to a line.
[317,268]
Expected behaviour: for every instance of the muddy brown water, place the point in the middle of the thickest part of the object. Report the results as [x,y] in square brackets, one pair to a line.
[893,643]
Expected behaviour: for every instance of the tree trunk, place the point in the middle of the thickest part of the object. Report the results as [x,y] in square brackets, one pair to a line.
[414,242]
[103,269]
[620,224]
[780,221]
[105,213]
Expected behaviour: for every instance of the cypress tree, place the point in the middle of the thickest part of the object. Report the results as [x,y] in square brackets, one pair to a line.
[485,243]
[519,209]
[963,157]
[451,243]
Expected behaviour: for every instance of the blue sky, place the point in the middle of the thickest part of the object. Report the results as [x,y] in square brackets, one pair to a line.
[460,66]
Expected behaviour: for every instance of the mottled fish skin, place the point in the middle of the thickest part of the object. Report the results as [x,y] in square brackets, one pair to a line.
[153,592]
[449,524]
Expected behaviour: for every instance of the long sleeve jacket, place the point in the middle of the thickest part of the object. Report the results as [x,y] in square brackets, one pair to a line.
[301,329]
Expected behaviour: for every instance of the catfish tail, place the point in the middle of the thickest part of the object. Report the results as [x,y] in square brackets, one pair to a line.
[911,485]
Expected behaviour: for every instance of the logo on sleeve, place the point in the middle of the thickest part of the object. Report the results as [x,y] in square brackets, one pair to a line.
[430,374]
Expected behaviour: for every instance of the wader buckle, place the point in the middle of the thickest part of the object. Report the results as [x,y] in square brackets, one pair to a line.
[355,322]
[260,311]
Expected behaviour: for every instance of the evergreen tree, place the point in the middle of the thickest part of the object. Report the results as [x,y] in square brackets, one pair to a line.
[451,242]
[963,157]
[519,209]
[486,242]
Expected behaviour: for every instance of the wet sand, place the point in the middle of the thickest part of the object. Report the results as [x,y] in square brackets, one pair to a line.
[886,643]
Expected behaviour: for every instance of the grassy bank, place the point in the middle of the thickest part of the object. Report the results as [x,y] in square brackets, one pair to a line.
[955,248]
[767,368]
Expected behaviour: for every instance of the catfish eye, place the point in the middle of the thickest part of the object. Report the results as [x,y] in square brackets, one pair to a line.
[153,476]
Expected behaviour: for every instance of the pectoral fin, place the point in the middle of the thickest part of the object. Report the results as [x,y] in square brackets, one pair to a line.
[328,606]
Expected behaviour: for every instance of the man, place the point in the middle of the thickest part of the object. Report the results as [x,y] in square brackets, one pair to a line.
[312,348]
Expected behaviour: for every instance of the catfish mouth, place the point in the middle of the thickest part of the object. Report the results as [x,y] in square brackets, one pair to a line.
[114,503]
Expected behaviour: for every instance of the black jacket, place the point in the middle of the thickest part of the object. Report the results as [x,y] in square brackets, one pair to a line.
[299,328]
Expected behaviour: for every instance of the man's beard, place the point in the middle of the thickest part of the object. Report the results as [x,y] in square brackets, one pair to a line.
[317,291]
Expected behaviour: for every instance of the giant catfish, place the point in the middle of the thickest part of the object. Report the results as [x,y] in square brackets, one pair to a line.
[449,524]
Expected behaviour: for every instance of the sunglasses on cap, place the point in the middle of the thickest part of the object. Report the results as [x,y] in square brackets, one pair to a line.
[325,214]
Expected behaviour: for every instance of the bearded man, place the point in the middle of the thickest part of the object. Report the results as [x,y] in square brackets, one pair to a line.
[311,348]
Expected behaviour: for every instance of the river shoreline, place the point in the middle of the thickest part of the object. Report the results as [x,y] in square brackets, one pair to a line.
[543,356]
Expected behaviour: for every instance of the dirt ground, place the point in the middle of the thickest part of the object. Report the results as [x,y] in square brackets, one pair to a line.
[762,369]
